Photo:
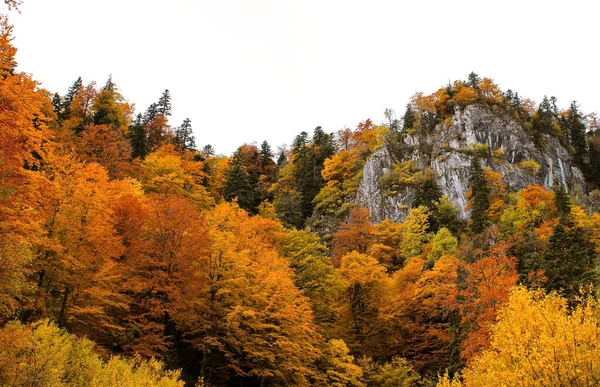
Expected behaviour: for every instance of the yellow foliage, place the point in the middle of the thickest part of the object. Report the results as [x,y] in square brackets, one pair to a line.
[538,341]
[43,355]
[413,231]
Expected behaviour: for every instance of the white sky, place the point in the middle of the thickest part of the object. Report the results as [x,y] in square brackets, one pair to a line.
[248,71]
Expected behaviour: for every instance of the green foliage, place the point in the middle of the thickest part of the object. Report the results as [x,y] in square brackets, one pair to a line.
[569,262]
[444,243]
[478,197]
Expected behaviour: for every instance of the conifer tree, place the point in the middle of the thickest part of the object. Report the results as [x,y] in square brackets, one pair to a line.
[569,261]
[208,150]
[137,138]
[184,136]
[238,184]
[563,203]
[164,103]
[65,112]
[478,197]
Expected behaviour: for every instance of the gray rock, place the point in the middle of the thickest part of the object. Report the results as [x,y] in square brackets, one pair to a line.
[450,158]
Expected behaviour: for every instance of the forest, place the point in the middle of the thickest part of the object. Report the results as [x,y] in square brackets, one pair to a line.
[130,255]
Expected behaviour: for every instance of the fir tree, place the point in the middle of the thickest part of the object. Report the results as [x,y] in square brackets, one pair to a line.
[137,138]
[568,263]
[69,97]
[239,183]
[563,204]
[164,104]
[57,105]
[479,202]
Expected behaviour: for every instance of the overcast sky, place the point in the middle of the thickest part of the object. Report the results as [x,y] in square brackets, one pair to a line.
[259,70]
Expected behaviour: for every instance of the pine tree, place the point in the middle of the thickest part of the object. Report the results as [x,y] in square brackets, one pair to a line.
[478,197]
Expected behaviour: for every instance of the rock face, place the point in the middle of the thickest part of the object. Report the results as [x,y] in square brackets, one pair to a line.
[448,152]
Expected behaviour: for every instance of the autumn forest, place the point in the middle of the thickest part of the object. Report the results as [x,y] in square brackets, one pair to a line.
[131,254]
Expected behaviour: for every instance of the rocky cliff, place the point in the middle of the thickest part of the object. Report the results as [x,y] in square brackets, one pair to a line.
[499,142]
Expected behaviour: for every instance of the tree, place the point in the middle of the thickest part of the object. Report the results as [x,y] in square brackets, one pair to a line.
[184,136]
[24,135]
[163,106]
[239,183]
[538,341]
[109,108]
[138,139]
[242,313]
[338,366]
[355,235]
[575,129]
[360,324]
[478,197]
[568,262]
[41,354]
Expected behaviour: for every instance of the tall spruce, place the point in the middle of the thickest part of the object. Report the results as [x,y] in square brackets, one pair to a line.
[479,200]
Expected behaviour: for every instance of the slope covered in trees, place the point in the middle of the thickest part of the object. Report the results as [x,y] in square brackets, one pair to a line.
[129,256]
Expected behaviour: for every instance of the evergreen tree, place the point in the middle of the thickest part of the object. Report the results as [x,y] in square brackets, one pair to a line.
[569,261]
[57,105]
[409,118]
[563,203]
[137,138]
[164,103]
[184,136]
[239,185]
[309,159]
[479,202]
[574,128]
[473,80]
[208,150]
[69,97]
[428,194]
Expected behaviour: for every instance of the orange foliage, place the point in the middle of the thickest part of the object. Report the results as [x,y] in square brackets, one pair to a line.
[355,235]
[486,289]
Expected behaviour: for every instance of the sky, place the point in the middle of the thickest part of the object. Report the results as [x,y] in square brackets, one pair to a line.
[257,70]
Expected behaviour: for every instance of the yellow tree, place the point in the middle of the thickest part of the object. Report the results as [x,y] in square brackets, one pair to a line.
[78,272]
[539,341]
